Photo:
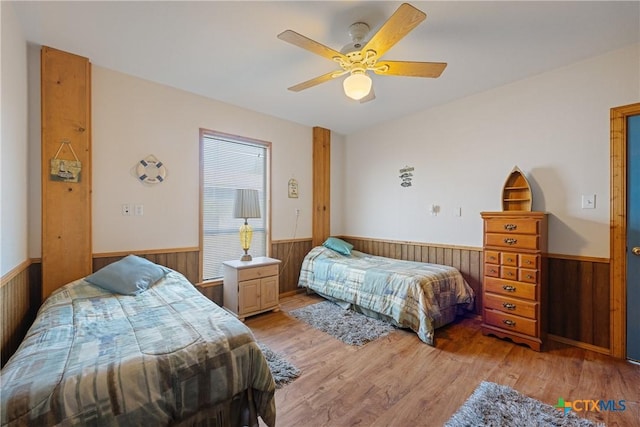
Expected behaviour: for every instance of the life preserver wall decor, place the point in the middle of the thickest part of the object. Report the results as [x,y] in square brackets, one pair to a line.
[151,170]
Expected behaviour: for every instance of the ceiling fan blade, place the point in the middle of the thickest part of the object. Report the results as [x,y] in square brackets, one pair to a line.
[411,69]
[299,40]
[370,97]
[403,20]
[313,82]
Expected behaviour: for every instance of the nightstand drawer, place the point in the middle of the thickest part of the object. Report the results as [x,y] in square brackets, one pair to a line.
[257,272]
[511,323]
[510,288]
[511,305]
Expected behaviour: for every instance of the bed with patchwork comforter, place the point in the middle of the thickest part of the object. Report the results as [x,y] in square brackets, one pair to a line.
[168,356]
[414,295]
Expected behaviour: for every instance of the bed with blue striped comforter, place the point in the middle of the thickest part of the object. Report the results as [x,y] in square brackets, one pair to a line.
[414,295]
[168,356]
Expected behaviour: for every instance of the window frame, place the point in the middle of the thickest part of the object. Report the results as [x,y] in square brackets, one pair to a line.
[207,133]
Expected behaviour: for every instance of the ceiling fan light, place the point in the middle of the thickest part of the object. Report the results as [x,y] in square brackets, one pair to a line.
[357,86]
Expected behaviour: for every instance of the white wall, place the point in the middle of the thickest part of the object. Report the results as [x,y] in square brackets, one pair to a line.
[554,126]
[133,118]
[13,147]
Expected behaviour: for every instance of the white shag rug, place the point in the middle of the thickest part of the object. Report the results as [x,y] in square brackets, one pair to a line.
[282,370]
[494,405]
[348,326]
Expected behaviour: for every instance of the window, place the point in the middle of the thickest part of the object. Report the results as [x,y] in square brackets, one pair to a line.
[227,163]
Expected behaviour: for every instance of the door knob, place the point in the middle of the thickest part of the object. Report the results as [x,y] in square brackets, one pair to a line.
[636,250]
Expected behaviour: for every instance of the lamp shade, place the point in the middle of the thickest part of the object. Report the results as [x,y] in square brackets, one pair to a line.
[357,86]
[247,204]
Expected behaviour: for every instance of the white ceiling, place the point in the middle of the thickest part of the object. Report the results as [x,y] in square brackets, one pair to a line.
[228,51]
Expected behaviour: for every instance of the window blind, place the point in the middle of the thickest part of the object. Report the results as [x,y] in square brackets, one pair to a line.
[229,164]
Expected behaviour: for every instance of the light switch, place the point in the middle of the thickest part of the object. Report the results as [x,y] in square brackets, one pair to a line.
[588,201]
[139,210]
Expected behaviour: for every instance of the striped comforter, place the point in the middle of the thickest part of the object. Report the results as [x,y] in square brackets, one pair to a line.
[413,295]
[168,356]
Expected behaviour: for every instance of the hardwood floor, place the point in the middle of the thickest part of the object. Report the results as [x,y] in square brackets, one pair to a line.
[398,380]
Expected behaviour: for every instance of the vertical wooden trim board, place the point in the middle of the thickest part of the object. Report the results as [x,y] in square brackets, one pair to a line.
[66,206]
[321,227]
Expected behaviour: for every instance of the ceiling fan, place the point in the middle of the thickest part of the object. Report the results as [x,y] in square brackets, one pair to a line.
[361,56]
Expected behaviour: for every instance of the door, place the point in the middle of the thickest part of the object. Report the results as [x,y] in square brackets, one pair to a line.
[249,298]
[633,238]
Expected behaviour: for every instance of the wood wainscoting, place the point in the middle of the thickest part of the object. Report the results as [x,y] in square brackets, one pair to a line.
[20,296]
[579,301]
[578,298]
[291,253]
[183,260]
[578,311]
[467,260]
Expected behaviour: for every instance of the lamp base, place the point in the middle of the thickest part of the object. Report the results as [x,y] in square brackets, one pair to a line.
[245,257]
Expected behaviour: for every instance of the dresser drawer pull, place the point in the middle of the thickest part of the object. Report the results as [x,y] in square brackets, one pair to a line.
[509,306]
[529,276]
[510,241]
[493,271]
[529,262]
[510,227]
[509,288]
[509,322]
[509,259]
[510,273]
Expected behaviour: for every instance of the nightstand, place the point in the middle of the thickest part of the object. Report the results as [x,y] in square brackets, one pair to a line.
[251,287]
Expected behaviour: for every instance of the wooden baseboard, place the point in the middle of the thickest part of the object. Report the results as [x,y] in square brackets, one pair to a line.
[579,344]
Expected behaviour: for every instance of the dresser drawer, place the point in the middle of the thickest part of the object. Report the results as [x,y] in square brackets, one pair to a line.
[257,272]
[527,275]
[509,258]
[510,273]
[529,261]
[492,257]
[511,305]
[510,288]
[511,323]
[492,270]
[511,225]
[514,241]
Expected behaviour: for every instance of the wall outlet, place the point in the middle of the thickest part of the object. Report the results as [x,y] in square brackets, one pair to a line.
[126,209]
[297,212]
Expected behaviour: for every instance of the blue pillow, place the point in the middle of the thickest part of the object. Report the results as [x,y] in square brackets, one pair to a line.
[338,245]
[131,275]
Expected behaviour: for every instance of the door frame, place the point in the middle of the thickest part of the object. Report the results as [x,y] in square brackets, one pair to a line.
[618,230]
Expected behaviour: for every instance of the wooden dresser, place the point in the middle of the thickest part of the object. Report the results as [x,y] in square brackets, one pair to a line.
[514,294]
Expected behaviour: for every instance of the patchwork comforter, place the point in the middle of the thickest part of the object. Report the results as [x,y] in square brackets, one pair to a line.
[168,356]
[413,295]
